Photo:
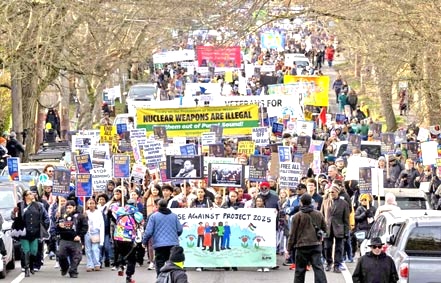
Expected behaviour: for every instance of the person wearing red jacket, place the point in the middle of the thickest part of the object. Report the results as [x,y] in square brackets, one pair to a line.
[329,53]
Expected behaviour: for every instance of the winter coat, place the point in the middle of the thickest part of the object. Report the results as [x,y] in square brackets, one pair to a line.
[178,275]
[75,224]
[406,179]
[303,232]
[32,215]
[337,218]
[164,227]
[373,268]
[361,217]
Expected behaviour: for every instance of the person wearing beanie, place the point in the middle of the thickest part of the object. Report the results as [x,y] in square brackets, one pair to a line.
[174,267]
[270,200]
[336,211]
[306,241]
[14,146]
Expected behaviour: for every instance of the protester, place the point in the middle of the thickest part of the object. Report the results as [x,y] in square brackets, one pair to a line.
[390,204]
[173,271]
[94,237]
[164,228]
[15,148]
[303,236]
[71,227]
[375,266]
[30,217]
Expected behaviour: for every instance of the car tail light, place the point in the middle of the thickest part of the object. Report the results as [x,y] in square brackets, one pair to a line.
[404,270]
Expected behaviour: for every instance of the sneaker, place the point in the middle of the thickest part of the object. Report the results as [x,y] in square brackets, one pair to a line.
[73,275]
[89,269]
[292,266]
[113,268]
[121,271]
[341,267]
[57,265]
[337,270]
[97,268]
[199,269]
[36,269]
[259,270]
[266,269]
[151,266]
[129,280]
[328,267]
[63,272]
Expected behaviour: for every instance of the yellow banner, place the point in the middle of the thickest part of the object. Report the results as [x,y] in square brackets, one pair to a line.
[246,147]
[192,121]
[315,89]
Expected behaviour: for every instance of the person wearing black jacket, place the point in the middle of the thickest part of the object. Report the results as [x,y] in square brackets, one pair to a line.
[72,226]
[14,146]
[375,266]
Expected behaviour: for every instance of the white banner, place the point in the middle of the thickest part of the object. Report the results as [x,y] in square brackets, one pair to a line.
[260,136]
[208,138]
[217,237]
[174,56]
[154,152]
[290,173]
[100,177]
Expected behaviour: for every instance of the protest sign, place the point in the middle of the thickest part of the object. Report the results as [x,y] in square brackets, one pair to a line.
[258,167]
[188,149]
[272,40]
[83,185]
[138,174]
[218,130]
[13,168]
[303,144]
[216,150]
[429,152]
[277,129]
[246,147]
[61,182]
[100,177]
[260,136]
[377,181]
[225,175]
[354,142]
[316,145]
[208,138]
[365,180]
[178,141]
[290,173]
[252,237]
[160,133]
[83,163]
[138,133]
[153,152]
[423,134]
[376,131]
[218,56]
[121,128]
[305,128]
[355,162]
[192,122]
[316,163]
[81,143]
[314,89]
[137,154]
[184,167]
[121,166]
[412,150]
[217,160]
[107,134]
[388,143]
[284,154]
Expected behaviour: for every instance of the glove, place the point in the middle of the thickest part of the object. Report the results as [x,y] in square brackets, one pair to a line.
[368,213]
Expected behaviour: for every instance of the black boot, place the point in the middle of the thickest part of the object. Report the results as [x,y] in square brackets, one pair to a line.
[31,263]
[26,264]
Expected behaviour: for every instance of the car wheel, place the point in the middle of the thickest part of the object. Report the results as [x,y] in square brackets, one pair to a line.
[11,264]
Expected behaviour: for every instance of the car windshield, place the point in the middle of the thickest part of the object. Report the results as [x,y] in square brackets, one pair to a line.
[142,92]
[301,63]
[372,150]
[7,199]
[406,203]
[426,239]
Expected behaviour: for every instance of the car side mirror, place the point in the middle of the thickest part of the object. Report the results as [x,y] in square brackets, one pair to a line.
[391,240]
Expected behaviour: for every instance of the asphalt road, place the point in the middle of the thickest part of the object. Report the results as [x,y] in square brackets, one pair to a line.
[48,274]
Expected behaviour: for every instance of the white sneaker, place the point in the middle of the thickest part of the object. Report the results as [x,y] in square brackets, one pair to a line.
[266,269]
[57,265]
[259,270]
[199,269]
[113,268]
[151,266]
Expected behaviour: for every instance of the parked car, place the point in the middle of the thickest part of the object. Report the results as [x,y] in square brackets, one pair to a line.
[140,95]
[7,202]
[387,224]
[416,248]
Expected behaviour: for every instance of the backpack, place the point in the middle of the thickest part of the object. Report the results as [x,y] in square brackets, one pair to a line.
[165,277]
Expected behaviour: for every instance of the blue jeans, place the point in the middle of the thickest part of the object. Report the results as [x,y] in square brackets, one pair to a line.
[106,250]
[92,252]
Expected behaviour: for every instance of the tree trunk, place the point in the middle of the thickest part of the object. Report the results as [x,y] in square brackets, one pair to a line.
[17,106]
[64,107]
[85,117]
[30,95]
[428,95]
[383,83]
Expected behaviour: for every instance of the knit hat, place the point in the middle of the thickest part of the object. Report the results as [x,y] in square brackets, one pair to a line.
[264,184]
[177,254]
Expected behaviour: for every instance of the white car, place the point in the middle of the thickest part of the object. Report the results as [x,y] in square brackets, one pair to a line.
[387,224]
[140,96]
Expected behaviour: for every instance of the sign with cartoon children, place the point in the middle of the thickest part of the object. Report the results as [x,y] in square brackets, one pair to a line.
[227,237]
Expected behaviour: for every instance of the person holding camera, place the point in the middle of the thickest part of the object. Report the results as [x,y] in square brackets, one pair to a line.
[307,231]
[407,177]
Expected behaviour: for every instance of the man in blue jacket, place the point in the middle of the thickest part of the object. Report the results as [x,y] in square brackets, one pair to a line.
[164,227]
